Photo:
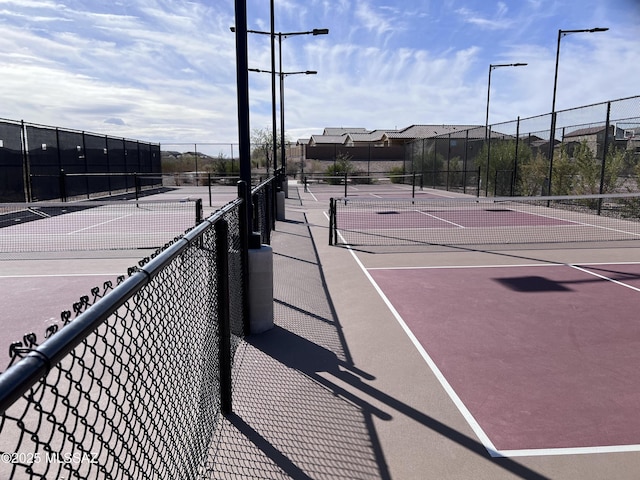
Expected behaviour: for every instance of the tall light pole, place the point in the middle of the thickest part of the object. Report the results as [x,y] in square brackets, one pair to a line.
[552,132]
[282,77]
[314,32]
[280,35]
[491,67]
[486,122]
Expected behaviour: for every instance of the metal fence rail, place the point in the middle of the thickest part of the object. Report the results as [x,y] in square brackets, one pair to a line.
[132,387]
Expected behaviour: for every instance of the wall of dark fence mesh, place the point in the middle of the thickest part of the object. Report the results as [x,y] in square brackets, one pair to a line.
[594,149]
[133,384]
[12,185]
[48,163]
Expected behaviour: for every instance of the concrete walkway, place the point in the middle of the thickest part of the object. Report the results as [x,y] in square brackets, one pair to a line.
[336,390]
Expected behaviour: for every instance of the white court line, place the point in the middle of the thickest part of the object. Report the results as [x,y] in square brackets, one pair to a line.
[570,222]
[311,193]
[482,436]
[617,282]
[470,266]
[439,218]
[475,426]
[99,224]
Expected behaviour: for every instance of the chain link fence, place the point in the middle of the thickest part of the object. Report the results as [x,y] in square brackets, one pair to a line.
[131,387]
[594,149]
[48,163]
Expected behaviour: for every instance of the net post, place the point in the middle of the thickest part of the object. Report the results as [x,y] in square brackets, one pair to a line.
[136,185]
[332,220]
[63,185]
[224,330]
[413,186]
[478,182]
[199,211]
[346,178]
[209,183]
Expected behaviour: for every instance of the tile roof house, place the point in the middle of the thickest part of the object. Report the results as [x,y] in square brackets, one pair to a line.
[593,137]
[380,144]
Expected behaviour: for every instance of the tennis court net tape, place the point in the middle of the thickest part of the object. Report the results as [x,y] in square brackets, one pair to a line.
[94,225]
[485,220]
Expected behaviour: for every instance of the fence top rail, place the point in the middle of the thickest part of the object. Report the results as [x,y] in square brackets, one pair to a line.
[70,130]
[262,185]
[526,119]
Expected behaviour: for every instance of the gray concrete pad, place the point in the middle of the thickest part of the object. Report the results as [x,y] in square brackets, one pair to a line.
[339,390]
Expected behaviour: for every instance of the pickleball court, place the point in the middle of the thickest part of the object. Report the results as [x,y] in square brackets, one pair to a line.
[535,340]
[52,254]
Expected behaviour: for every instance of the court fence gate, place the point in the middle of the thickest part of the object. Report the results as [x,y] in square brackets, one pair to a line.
[133,385]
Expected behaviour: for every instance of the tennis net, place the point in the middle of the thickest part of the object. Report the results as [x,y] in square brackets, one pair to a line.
[483,221]
[94,225]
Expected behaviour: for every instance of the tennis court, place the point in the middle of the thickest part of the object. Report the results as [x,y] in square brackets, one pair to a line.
[322,188]
[524,312]
[52,254]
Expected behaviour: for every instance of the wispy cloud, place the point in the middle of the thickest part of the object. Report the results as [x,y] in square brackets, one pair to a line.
[497,21]
[373,20]
[165,71]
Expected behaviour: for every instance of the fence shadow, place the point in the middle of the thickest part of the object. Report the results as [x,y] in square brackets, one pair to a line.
[302,408]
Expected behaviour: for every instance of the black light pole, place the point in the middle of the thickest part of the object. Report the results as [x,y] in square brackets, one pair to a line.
[314,32]
[486,122]
[274,127]
[282,76]
[491,67]
[242,76]
[280,35]
[552,133]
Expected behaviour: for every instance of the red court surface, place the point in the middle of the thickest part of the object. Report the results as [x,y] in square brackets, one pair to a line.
[48,264]
[33,302]
[424,218]
[323,192]
[541,359]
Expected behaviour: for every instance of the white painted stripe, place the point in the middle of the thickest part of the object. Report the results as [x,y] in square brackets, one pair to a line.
[101,223]
[311,193]
[469,266]
[539,452]
[553,264]
[617,282]
[482,436]
[440,219]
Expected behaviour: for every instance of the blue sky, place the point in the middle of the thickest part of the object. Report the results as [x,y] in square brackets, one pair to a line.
[164,70]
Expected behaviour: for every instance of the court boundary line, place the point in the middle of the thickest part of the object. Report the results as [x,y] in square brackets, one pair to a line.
[471,421]
[468,416]
[603,277]
[545,263]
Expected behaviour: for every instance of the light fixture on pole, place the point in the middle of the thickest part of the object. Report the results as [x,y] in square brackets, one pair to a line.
[281,35]
[552,132]
[282,77]
[491,67]
[486,122]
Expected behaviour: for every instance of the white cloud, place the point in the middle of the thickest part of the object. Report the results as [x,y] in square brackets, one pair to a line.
[372,20]
[146,70]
